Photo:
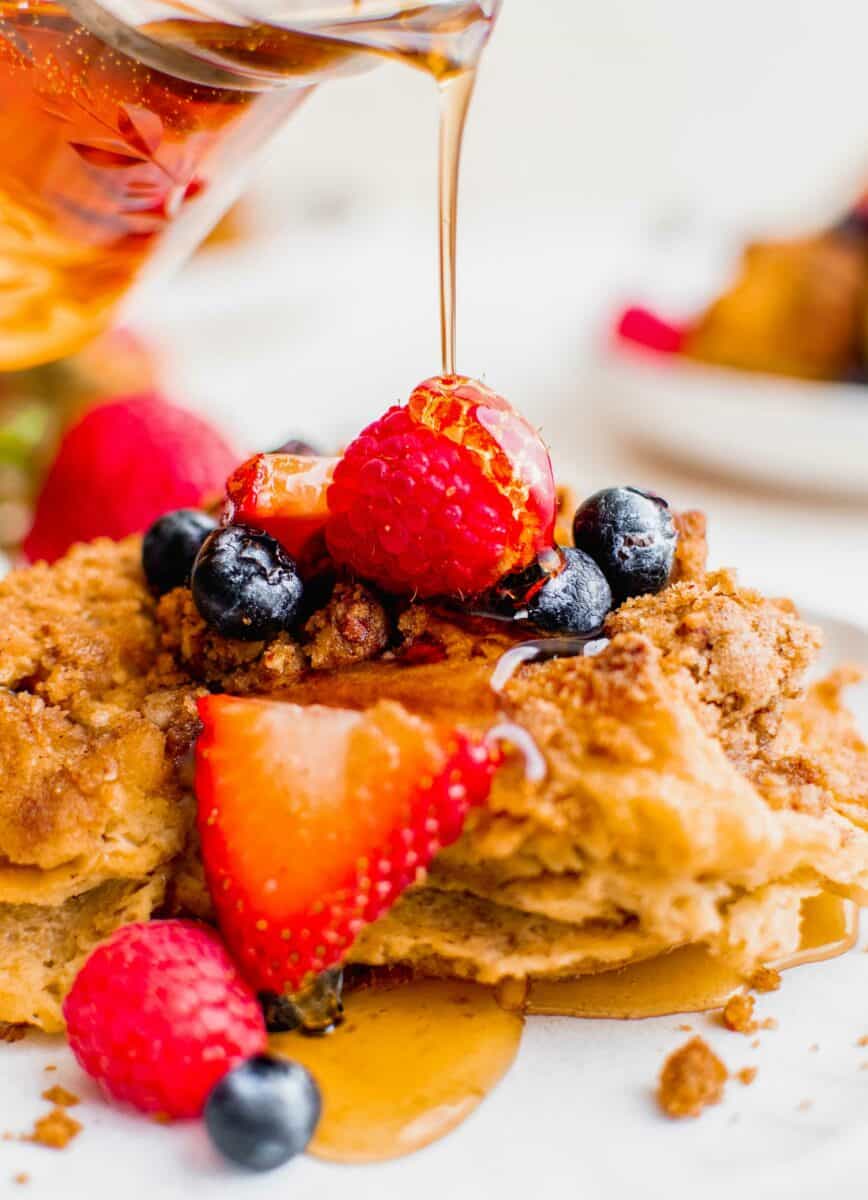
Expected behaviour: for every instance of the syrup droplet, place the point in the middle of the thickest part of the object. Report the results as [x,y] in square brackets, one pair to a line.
[535,767]
[540,651]
[407,1066]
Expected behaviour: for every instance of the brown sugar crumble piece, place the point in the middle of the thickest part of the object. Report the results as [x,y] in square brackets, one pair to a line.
[738,1013]
[21,1177]
[747,1075]
[685,1029]
[692,1078]
[863,1040]
[765,980]
[60,1097]
[50,1067]
[768,1023]
[55,1130]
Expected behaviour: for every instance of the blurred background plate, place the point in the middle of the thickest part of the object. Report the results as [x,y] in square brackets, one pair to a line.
[786,433]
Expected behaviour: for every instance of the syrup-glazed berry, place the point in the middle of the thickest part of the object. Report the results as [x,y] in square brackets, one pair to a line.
[563,592]
[630,534]
[263,1113]
[444,496]
[170,547]
[245,585]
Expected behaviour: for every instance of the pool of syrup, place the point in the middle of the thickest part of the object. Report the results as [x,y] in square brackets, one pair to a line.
[412,1061]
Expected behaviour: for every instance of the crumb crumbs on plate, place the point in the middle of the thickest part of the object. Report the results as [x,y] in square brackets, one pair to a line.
[21,1177]
[692,1078]
[813,1049]
[60,1097]
[863,1040]
[747,1075]
[805,1105]
[765,980]
[12,1033]
[54,1131]
[768,1023]
[738,1013]
[685,1029]
[50,1067]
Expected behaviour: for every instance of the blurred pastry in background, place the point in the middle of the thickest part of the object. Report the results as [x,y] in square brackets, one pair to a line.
[797,307]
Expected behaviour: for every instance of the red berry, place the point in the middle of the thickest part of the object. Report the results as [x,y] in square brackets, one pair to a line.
[645,328]
[122,465]
[159,1013]
[284,495]
[314,820]
[445,496]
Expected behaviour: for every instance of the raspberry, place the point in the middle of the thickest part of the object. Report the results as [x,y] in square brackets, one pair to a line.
[159,1013]
[125,463]
[445,496]
[645,328]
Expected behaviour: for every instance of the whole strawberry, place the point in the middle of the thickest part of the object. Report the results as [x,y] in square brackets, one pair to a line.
[122,465]
[159,1013]
[445,496]
[314,820]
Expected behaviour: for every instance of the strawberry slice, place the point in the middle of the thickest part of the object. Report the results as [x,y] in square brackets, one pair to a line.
[314,820]
[284,495]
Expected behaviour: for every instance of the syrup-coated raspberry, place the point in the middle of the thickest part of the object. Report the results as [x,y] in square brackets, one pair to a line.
[159,1013]
[443,496]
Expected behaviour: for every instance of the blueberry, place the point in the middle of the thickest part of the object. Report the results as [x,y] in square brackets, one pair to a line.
[245,585]
[299,448]
[170,547]
[263,1112]
[631,536]
[574,601]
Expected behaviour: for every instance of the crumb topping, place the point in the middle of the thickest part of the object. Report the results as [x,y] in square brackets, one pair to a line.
[738,1015]
[55,1130]
[692,1078]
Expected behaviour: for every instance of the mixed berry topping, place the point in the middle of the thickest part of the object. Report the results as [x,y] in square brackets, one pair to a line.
[444,496]
[313,821]
[245,585]
[630,534]
[263,1112]
[159,1013]
[170,546]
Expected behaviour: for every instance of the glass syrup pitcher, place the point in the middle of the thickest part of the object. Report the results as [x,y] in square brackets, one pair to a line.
[125,126]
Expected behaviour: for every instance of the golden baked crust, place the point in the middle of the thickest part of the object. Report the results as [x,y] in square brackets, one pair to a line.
[692,794]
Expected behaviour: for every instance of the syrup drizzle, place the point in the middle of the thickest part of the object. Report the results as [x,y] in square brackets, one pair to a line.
[541,651]
[406,1067]
[412,1061]
[535,768]
[456,92]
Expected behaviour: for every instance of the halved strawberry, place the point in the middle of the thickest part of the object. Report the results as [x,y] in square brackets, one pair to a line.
[314,820]
[284,495]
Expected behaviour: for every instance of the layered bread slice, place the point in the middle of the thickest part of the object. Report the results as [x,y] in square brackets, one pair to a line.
[693,792]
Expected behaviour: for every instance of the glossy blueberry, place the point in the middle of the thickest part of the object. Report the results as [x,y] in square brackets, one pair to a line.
[263,1112]
[245,585]
[170,547]
[631,536]
[573,601]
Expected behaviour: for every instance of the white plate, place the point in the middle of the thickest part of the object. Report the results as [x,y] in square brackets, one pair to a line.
[575,1116]
[788,433]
